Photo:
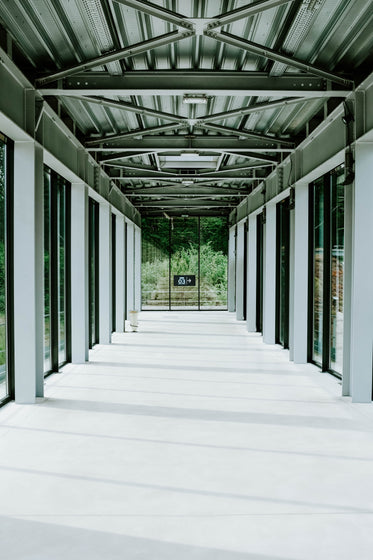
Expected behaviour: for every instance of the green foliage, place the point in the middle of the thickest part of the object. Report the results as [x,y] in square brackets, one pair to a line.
[213,267]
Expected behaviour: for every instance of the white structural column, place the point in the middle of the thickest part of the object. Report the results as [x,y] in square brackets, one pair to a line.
[300,286]
[137,268]
[120,267]
[269,273]
[79,273]
[28,272]
[232,269]
[251,274]
[130,268]
[105,284]
[240,259]
[362,292]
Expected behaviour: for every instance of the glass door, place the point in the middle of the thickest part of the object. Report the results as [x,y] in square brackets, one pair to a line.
[184,263]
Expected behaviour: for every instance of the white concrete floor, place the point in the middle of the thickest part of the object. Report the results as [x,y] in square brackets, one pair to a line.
[190,439]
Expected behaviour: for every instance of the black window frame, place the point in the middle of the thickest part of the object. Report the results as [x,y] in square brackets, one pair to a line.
[58,185]
[9,268]
[283,236]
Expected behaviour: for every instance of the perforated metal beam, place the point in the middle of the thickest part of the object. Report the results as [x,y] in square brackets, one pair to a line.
[180,82]
[175,143]
[199,189]
[127,52]
[271,54]
[151,175]
[186,204]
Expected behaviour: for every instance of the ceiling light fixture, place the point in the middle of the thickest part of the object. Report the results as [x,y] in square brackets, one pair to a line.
[189,154]
[187,182]
[195,99]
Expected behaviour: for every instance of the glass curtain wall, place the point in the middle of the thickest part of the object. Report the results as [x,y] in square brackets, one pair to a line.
[184,263]
[282,273]
[259,272]
[93,272]
[6,369]
[327,253]
[57,328]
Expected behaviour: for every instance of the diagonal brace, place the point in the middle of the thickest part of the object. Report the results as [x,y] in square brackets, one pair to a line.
[134,133]
[125,106]
[245,11]
[159,12]
[271,54]
[127,52]
[245,134]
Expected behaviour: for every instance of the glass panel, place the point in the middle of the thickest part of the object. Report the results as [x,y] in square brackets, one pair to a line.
[93,273]
[283,216]
[61,271]
[155,260]
[337,268]
[3,334]
[47,275]
[185,262]
[318,269]
[213,263]
[259,272]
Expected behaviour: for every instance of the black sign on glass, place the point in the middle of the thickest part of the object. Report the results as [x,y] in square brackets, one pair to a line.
[186,280]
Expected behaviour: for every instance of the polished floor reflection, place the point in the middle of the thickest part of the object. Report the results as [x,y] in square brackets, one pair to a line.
[187,439]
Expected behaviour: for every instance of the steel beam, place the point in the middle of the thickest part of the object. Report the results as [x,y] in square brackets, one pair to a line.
[245,11]
[187,203]
[190,212]
[246,134]
[133,134]
[180,82]
[197,188]
[192,196]
[266,52]
[127,52]
[123,105]
[158,11]
[175,143]
[164,177]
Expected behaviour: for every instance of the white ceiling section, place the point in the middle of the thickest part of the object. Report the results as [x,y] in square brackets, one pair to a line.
[262,73]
